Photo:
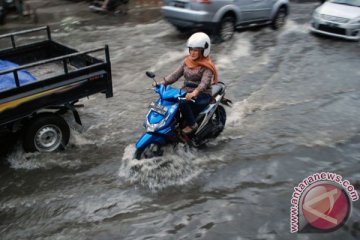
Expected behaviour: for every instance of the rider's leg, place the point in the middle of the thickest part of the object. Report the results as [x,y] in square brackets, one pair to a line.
[187,112]
[201,102]
[190,109]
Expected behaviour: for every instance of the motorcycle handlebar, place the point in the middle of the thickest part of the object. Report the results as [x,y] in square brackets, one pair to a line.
[179,98]
[182,98]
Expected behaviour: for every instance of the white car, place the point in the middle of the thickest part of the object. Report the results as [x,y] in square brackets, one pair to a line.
[338,18]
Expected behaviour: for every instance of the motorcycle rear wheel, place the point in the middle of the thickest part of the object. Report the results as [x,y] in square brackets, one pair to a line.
[219,120]
[218,123]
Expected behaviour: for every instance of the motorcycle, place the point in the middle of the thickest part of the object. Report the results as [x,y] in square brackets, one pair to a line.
[163,121]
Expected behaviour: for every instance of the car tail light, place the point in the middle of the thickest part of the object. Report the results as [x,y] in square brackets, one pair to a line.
[202,1]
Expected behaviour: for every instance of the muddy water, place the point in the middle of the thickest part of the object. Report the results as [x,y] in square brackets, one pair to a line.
[296,112]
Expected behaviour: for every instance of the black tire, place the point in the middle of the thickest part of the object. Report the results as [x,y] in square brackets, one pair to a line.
[138,153]
[226,28]
[150,151]
[218,125]
[47,132]
[219,119]
[279,19]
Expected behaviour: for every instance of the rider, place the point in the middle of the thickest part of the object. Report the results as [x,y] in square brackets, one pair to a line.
[198,71]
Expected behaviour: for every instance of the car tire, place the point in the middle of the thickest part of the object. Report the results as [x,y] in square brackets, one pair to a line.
[279,19]
[47,132]
[226,28]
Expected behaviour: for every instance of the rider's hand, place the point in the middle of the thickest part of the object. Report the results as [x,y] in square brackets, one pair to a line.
[191,95]
[154,84]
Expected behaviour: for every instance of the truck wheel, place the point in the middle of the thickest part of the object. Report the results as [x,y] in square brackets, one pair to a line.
[279,19]
[46,133]
[226,28]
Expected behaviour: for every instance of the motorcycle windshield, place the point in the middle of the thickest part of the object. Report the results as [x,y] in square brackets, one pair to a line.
[154,117]
[168,92]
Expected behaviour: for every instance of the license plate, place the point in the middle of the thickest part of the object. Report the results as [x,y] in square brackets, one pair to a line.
[158,108]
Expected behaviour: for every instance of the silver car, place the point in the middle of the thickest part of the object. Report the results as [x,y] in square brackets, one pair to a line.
[221,17]
[338,18]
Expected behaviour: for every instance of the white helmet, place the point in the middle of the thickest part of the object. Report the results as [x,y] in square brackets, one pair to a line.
[200,40]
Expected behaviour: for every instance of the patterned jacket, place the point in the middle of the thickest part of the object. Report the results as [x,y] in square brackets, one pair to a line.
[197,78]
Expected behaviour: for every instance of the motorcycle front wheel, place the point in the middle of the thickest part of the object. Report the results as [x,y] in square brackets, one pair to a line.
[150,151]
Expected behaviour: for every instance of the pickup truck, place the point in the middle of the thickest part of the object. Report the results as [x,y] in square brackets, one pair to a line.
[63,76]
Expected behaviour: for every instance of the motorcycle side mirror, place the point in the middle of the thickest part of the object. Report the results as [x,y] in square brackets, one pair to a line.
[150,74]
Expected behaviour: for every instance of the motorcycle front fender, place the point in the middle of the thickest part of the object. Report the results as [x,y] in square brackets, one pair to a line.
[148,138]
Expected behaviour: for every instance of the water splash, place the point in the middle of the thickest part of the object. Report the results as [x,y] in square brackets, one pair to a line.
[18,159]
[294,27]
[79,139]
[231,53]
[176,168]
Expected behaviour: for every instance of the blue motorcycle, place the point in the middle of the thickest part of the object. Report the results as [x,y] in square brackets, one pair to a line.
[163,121]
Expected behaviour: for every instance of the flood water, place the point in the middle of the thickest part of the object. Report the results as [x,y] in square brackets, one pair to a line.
[295,113]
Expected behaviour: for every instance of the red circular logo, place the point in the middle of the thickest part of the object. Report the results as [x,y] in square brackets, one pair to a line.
[325,206]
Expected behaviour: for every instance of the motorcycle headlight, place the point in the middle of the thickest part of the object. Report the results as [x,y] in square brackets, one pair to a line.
[152,127]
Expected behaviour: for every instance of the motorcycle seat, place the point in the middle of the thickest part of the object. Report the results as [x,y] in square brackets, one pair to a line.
[216,89]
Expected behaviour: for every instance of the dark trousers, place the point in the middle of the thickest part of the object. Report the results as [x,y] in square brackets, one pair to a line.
[190,110]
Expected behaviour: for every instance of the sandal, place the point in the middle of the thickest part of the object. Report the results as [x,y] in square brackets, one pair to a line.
[190,129]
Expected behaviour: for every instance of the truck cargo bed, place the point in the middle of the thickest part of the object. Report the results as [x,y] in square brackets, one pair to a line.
[63,75]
